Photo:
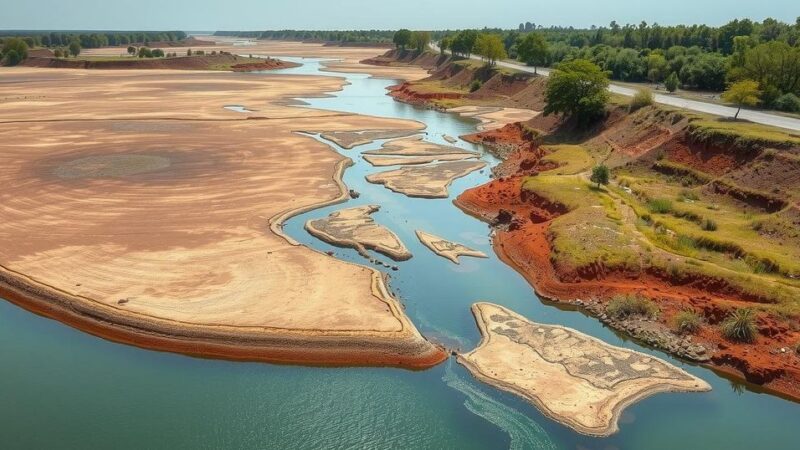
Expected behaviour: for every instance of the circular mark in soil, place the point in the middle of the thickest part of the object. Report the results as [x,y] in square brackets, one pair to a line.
[110,166]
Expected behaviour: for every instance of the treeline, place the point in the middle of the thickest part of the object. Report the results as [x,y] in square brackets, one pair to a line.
[366,36]
[694,57]
[92,39]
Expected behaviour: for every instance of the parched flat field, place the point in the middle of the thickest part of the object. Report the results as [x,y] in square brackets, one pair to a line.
[136,207]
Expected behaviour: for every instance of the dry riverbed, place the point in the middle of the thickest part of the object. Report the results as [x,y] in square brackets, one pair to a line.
[136,207]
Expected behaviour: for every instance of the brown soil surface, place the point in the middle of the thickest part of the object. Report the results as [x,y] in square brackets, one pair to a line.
[137,208]
[523,244]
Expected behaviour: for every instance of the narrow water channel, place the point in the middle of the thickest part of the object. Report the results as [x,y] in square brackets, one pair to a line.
[61,388]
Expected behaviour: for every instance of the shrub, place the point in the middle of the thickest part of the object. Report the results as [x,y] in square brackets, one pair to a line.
[623,306]
[740,326]
[600,175]
[672,82]
[687,321]
[788,102]
[659,206]
[642,98]
[475,85]
[709,225]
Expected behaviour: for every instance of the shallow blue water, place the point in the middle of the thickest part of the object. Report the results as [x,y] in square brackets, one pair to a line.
[60,388]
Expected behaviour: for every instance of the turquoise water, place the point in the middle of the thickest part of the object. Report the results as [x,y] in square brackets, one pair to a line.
[61,388]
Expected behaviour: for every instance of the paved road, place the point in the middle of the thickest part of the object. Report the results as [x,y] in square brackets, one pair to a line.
[765,118]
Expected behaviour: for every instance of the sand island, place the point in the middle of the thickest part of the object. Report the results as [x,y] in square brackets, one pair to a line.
[447,249]
[353,227]
[572,378]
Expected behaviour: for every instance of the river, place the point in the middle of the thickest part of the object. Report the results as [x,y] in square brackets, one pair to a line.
[61,388]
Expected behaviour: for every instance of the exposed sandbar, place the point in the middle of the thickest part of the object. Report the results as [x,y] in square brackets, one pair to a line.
[416,146]
[492,117]
[447,249]
[573,378]
[353,227]
[429,181]
[350,139]
[383,161]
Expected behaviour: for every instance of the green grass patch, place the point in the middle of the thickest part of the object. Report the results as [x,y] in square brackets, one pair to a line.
[687,321]
[624,306]
[660,206]
[740,326]
[571,159]
[745,135]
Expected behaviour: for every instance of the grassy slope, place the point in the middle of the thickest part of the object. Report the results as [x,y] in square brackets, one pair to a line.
[677,240]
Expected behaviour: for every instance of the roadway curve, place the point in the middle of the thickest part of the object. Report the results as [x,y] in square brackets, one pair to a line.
[761,117]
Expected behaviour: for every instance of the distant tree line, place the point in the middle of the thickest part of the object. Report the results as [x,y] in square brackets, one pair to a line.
[694,57]
[54,39]
[363,36]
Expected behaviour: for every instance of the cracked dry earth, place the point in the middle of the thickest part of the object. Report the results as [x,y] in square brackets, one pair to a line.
[573,378]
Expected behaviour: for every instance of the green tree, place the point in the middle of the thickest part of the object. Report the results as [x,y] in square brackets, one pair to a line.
[464,42]
[420,40]
[446,43]
[672,82]
[15,50]
[131,50]
[532,50]
[776,67]
[491,47]
[656,67]
[402,38]
[578,89]
[75,48]
[742,93]
[600,175]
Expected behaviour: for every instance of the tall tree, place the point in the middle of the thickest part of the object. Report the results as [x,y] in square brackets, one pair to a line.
[75,48]
[533,50]
[402,38]
[578,89]
[742,93]
[15,50]
[491,47]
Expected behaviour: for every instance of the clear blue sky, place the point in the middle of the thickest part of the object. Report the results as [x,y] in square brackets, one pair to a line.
[369,14]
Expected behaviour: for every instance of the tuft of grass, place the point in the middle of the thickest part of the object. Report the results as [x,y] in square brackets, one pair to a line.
[642,98]
[709,225]
[623,306]
[687,196]
[740,325]
[687,321]
[659,206]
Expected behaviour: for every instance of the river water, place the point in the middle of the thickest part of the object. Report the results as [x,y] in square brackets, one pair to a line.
[61,388]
